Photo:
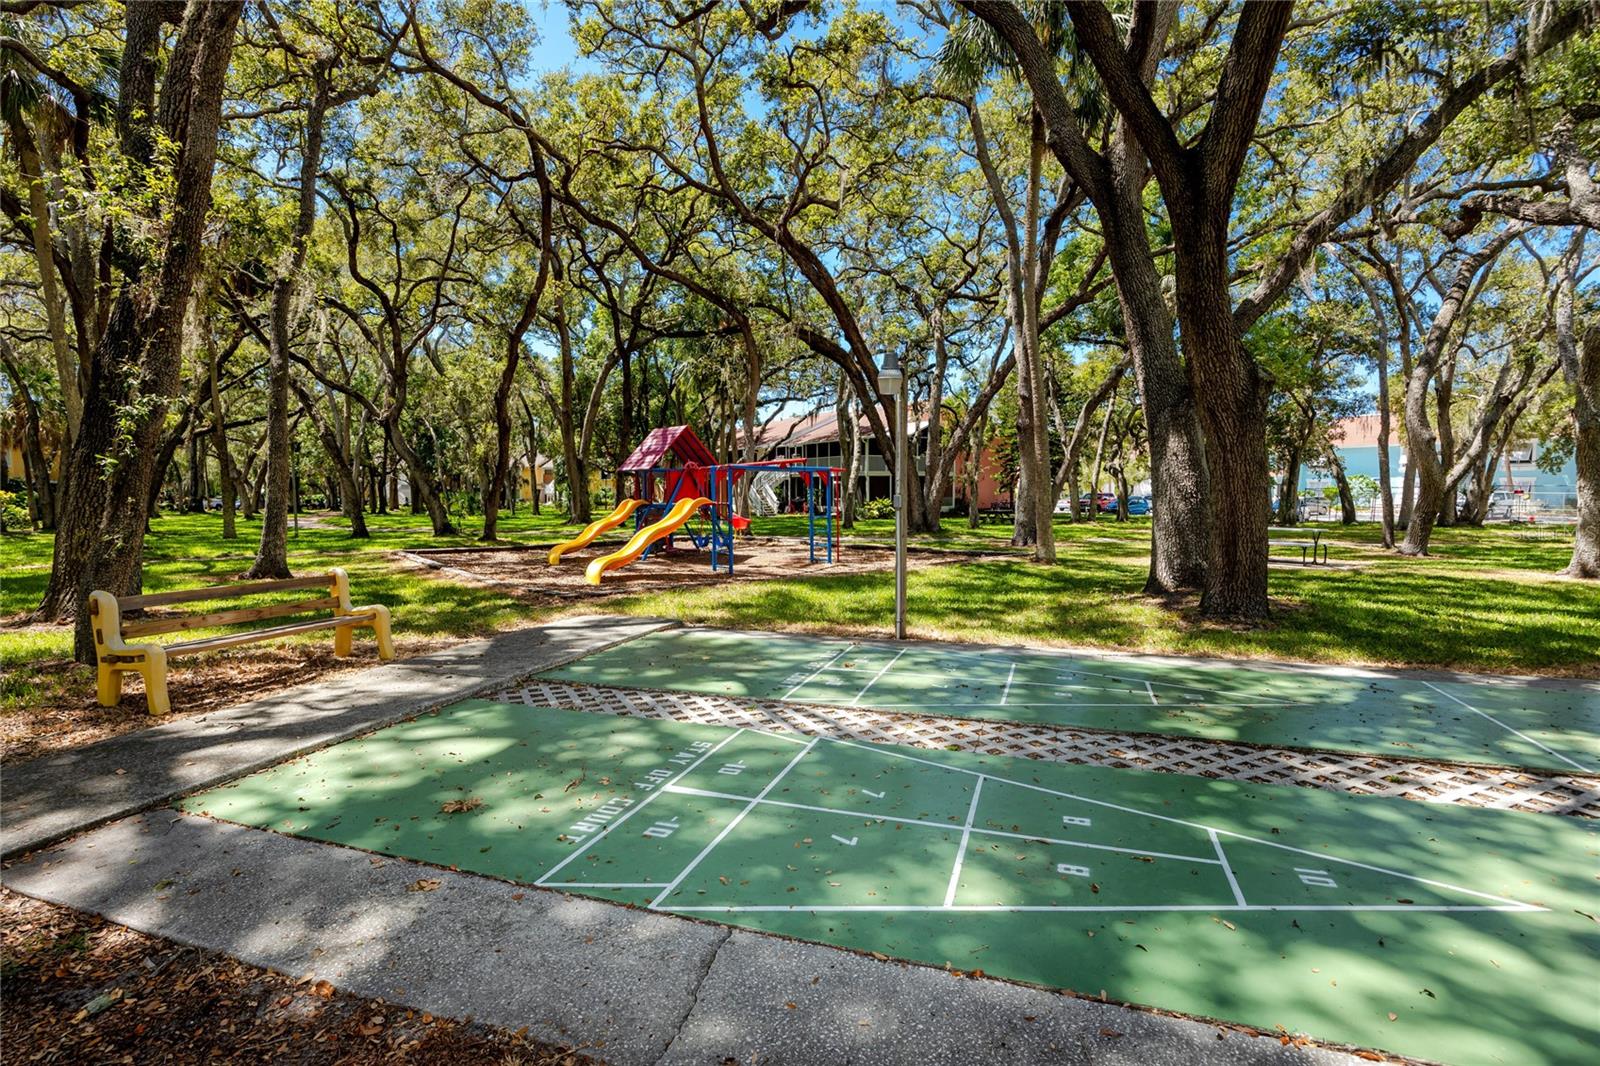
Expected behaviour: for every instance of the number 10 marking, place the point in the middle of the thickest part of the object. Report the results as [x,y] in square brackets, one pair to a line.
[1315,878]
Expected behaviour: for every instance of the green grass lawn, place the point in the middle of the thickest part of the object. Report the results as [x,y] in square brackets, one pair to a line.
[186,550]
[1487,599]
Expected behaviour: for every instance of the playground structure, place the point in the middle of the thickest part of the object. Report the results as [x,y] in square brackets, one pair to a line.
[678,481]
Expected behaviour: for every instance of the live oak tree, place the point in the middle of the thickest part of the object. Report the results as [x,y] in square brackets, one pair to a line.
[1198,167]
[1113,178]
[315,63]
[168,108]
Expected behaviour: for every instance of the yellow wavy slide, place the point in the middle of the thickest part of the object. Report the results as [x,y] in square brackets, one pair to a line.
[621,514]
[681,512]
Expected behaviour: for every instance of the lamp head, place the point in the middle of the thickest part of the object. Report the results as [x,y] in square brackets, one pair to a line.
[889,375]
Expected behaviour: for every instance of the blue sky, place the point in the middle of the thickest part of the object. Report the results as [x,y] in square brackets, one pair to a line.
[556,48]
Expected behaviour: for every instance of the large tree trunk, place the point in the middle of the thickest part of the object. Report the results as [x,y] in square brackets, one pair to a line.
[1385,487]
[135,366]
[219,431]
[68,371]
[272,554]
[1180,527]
[1233,409]
[1030,377]
[508,373]
[1347,500]
[1435,474]
[1584,365]
[577,477]
[1289,490]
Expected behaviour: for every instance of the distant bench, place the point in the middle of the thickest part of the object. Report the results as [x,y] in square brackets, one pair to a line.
[1309,541]
[997,513]
[116,657]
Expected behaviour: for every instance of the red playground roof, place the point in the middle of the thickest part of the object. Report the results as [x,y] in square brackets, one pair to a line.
[679,440]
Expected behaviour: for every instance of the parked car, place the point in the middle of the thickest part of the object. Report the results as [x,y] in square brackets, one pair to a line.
[1313,507]
[1103,502]
[1503,504]
[1140,506]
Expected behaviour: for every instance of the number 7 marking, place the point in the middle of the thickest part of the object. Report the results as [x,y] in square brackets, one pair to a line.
[847,843]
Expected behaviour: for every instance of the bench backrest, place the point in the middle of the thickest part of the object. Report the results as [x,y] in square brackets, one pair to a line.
[106,609]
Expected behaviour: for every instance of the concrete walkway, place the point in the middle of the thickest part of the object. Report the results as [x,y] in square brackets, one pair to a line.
[629,986]
[55,796]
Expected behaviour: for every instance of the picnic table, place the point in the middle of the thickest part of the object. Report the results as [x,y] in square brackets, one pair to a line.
[1309,541]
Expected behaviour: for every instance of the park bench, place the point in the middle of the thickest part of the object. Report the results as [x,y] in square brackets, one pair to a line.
[1292,537]
[117,657]
[997,513]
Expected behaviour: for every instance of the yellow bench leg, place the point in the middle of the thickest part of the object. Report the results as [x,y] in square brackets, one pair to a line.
[380,629]
[108,685]
[342,640]
[154,670]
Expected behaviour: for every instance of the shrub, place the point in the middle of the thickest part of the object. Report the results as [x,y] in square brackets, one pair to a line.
[882,507]
[13,512]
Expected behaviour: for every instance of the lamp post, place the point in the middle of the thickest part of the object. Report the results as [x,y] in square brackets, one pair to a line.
[892,382]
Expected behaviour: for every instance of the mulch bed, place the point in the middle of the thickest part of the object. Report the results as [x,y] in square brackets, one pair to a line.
[79,989]
[66,714]
[526,572]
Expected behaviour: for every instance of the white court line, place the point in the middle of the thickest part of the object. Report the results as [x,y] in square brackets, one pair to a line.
[1577,765]
[876,676]
[808,678]
[1325,857]
[1151,689]
[961,849]
[1227,871]
[775,736]
[685,790]
[1010,677]
[947,704]
[732,824]
[609,826]
[613,884]
[1107,909]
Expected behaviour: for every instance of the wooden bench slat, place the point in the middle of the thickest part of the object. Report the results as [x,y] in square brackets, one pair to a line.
[175,623]
[231,640]
[220,592]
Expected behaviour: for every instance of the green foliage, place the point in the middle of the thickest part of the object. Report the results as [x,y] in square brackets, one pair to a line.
[13,512]
[881,507]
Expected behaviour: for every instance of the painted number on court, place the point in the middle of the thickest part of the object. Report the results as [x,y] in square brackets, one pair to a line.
[1315,878]
[732,769]
[1067,819]
[662,830]
[1066,869]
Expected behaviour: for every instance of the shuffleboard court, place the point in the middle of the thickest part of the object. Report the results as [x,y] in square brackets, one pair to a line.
[1542,727]
[1456,934]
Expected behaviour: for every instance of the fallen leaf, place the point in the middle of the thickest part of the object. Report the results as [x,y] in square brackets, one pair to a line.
[425,884]
[1393,1017]
[1111,1033]
[322,989]
[461,806]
